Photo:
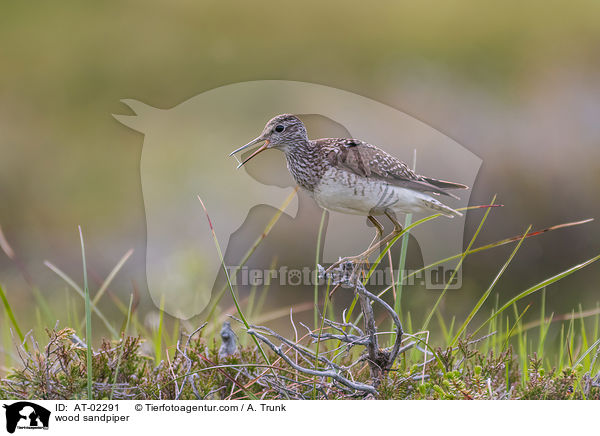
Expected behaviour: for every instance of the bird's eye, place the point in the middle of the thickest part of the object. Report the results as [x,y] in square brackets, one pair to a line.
[279,128]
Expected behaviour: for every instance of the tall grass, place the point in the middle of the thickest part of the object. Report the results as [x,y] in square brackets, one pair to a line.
[403,253]
[489,290]
[458,266]
[229,284]
[317,260]
[573,335]
[10,314]
[158,333]
[88,320]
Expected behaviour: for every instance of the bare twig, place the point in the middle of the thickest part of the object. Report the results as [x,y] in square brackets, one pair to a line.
[380,361]
[189,368]
[320,373]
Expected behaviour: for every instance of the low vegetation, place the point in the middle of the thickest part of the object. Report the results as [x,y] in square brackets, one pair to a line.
[347,358]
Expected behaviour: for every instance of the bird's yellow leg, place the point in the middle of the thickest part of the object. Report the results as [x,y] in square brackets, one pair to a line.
[382,242]
[378,230]
[364,256]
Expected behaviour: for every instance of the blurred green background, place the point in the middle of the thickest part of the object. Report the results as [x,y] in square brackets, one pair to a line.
[517,83]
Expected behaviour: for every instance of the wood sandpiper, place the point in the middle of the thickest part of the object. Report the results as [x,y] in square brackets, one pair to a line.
[353,177]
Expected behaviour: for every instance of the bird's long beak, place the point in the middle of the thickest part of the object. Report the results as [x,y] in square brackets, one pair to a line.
[250,144]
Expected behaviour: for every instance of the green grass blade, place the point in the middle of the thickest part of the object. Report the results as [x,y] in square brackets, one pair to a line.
[571,337]
[322,324]
[175,335]
[515,325]
[11,316]
[88,320]
[486,294]
[111,276]
[393,241]
[563,317]
[451,328]
[544,327]
[444,329]
[382,254]
[139,326]
[541,336]
[597,320]
[402,266]
[403,254]
[317,259]
[81,293]
[587,352]
[49,316]
[231,290]
[109,279]
[539,286]
[252,249]
[6,339]
[584,341]
[251,300]
[561,348]
[462,258]
[488,246]
[472,251]
[260,304]
[158,335]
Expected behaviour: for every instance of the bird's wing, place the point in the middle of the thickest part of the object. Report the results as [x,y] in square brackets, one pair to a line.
[367,160]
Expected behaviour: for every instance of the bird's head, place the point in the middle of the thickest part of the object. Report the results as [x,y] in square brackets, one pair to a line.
[282,132]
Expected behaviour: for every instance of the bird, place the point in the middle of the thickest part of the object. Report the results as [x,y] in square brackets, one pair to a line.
[351,176]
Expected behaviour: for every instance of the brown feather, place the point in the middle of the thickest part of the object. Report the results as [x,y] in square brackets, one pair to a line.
[367,160]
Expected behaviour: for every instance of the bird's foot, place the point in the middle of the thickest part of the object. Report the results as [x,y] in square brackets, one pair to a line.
[347,262]
[344,272]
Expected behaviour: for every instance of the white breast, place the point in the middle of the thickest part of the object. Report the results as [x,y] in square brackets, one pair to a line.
[345,192]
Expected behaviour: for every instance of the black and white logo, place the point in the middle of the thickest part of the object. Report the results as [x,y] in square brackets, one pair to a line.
[26,415]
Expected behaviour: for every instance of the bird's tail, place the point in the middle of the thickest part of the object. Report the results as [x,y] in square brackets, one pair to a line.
[438,206]
[442,184]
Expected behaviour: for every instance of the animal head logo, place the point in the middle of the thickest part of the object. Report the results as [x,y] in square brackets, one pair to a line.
[185,155]
[24,414]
